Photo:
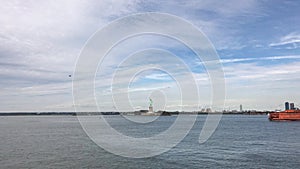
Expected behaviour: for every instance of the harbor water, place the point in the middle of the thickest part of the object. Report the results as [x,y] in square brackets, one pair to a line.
[240,141]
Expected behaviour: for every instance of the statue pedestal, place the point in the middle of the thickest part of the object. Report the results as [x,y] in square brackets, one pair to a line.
[150,109]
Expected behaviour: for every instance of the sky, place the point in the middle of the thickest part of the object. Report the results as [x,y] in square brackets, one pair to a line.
[258,42]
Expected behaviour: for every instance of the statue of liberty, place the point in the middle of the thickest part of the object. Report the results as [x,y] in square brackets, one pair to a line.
[150,105]
[150,102]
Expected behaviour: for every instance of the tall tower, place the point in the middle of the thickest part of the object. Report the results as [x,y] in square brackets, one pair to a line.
[287,106]
[241,108]
[150,105]
[292,106]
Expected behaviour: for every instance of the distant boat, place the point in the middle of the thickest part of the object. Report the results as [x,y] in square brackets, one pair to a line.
[287,115]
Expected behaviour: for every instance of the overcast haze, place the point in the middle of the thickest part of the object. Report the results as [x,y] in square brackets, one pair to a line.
[258,43]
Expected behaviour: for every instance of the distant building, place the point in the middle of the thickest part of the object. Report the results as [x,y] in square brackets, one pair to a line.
[241,108]
[234,111]
[292,106]
[287,106]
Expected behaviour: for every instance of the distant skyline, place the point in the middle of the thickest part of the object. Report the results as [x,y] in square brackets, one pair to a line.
[258,43]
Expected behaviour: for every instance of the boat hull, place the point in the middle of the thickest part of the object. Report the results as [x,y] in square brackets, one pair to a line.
[284,116]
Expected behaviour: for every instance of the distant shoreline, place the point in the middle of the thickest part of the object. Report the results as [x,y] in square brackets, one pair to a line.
[123,113]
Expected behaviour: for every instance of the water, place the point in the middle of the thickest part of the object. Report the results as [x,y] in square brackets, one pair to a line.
[240,141]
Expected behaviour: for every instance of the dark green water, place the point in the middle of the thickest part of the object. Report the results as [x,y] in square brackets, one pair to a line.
[240,141]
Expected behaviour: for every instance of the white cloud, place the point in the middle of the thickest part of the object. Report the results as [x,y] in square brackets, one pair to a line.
[40,41]
[290,41]
[218,19]
[158,76]
[262,86]
[233,60]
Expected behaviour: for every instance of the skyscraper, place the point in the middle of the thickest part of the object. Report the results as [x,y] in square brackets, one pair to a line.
[287,106]
[292,106]
[241,108]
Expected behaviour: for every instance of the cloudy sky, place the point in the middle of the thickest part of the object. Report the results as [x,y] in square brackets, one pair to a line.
[258,43]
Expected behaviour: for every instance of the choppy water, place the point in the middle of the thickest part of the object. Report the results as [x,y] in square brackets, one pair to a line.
[239,142]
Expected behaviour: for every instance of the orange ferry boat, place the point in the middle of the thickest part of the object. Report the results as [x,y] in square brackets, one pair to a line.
[290,114]
[287,115]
